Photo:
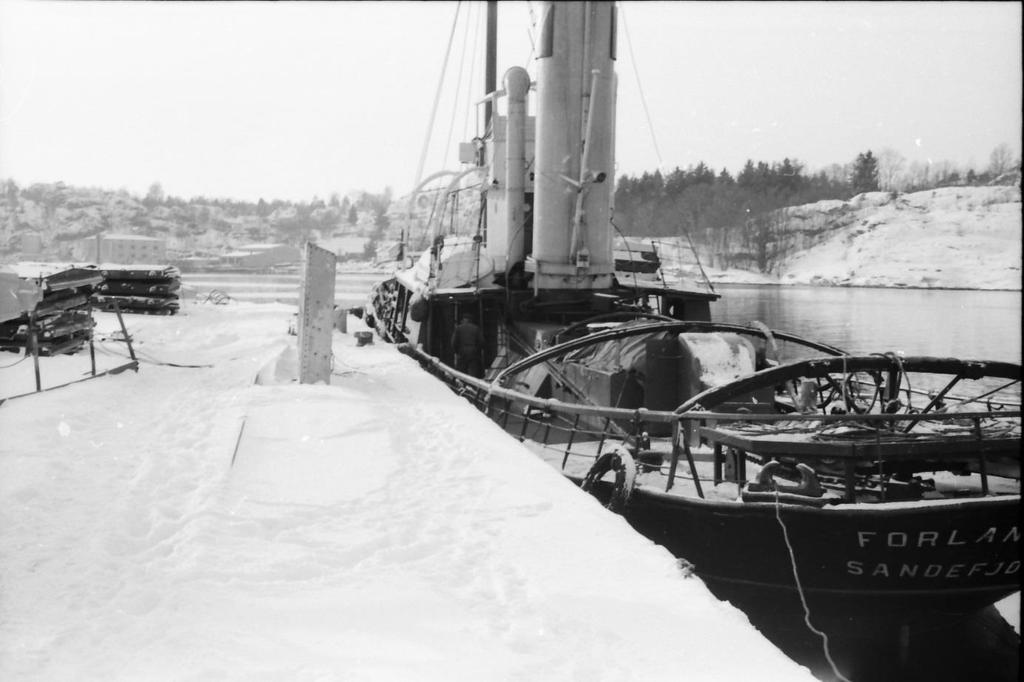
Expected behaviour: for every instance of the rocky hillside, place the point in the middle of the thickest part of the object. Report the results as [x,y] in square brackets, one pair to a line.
[951,237]
[41,221]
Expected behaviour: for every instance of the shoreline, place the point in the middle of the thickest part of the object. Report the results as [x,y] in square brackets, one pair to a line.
[809,285]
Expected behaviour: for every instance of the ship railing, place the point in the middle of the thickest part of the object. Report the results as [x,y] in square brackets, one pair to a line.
[908,392]
[875,446]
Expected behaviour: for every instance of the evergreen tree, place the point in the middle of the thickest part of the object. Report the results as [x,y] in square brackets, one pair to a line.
[865,173]
[746,177]
[353,215]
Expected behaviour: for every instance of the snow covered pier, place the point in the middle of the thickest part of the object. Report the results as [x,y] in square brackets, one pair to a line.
[375,529]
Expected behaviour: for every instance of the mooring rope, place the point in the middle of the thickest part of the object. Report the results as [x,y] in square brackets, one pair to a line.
[23,358]
[142,356]
[800,591]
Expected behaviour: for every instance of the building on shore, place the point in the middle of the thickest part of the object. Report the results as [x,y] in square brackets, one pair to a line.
[121,248]
[260,256]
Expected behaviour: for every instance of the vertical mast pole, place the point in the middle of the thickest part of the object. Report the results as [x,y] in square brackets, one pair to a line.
[491,64]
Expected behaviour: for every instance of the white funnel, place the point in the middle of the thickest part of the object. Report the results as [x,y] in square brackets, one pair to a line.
[575,156]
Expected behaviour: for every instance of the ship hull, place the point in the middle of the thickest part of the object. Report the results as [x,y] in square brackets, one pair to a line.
[857,564]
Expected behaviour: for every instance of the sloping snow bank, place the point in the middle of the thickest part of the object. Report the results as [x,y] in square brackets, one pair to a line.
[952,237]
[375,529]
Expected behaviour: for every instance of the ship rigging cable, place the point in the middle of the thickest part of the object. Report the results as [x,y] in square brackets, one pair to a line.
[472,74]
[458,84]
[437,96]
[640,87]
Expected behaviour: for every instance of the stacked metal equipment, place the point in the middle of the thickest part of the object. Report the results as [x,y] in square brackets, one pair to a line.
[61,321]
[140,289]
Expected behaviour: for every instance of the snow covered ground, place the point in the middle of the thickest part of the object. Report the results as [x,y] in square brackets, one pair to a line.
[188,523]
[951,237]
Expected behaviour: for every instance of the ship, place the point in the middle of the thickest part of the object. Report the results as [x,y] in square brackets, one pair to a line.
[858,488]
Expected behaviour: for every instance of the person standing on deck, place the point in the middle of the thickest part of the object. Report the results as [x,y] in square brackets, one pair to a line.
[468,344]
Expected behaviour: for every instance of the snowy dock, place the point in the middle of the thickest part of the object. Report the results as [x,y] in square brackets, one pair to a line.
[207,518]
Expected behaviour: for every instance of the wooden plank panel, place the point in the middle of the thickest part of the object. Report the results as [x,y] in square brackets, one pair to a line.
[316,315]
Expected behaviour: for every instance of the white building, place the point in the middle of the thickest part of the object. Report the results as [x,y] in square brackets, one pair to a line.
[121,248]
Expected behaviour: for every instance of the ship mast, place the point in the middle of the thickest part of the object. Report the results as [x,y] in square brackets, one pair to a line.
[491,60]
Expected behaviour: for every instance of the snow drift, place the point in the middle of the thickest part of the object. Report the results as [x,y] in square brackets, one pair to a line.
[190,523]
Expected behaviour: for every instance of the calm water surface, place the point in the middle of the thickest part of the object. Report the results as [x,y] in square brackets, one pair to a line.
[978,325]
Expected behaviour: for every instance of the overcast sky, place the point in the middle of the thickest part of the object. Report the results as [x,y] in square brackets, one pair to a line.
[292,100]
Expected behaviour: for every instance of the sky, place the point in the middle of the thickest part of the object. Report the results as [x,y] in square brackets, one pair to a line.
[295,100]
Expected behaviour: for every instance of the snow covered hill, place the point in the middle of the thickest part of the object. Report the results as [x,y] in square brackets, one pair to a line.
[951,237]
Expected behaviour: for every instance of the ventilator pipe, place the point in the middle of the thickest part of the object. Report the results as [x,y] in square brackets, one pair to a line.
[517,87]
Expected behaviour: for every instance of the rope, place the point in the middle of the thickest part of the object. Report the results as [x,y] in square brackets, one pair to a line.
[803,599]
[639,85]
[437,97]
[458,88]
[903,375]
[977,399]
[238,442]
[217,297]
[474,58]
[148,360]
[23,359]
[845,387]
[531,31]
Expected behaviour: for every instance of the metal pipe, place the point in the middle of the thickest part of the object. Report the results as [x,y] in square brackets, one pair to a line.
[491,61]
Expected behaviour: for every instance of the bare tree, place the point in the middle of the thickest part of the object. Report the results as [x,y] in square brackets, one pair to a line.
[918,175]
[890,170]
[1000,160]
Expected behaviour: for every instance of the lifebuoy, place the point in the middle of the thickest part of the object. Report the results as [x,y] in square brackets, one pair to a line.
[622,463]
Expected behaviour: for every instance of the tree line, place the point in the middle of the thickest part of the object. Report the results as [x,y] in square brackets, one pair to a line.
[696,199]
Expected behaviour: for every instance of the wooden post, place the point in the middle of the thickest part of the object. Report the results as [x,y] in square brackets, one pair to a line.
[33,343]
[316,315]
[983,465]
[676,434]
[717,467]
[124,332]
[92,345]
[572,436]
[693,468]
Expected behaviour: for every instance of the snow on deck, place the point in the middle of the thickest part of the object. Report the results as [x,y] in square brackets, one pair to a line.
[376,529]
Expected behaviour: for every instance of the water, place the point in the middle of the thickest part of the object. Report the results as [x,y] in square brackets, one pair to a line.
[976,325]
[351,288]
